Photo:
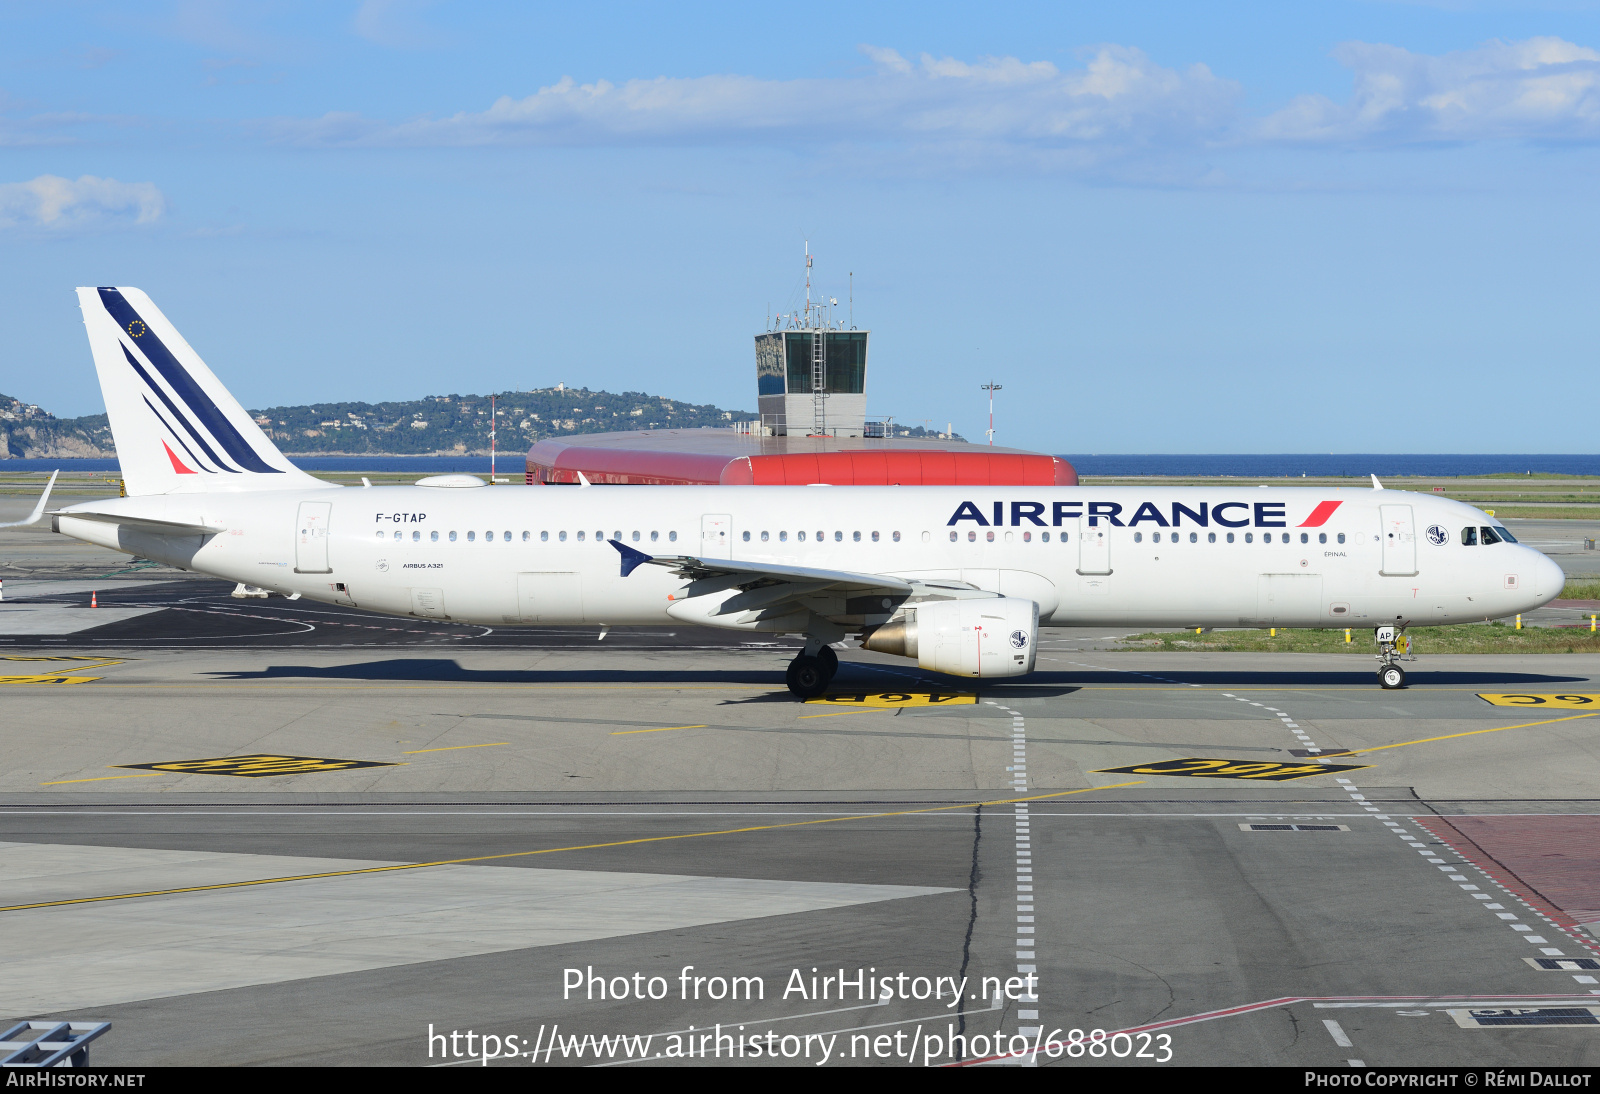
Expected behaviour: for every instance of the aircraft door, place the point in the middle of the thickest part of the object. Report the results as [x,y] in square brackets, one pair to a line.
[1399,541]
[716,535]
[311,538]
[1094,548]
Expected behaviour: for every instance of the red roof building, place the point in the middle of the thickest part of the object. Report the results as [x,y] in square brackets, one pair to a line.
[709,457]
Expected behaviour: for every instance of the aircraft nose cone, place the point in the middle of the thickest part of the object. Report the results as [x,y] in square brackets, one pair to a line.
[1550,578]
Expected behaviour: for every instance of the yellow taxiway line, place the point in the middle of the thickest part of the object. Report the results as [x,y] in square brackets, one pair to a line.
[557,850]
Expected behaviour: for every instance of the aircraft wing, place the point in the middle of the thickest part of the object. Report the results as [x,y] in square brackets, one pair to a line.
[38,510]
[760,573]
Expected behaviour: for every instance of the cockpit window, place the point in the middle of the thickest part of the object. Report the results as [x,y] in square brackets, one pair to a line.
[1469,537]
[1489,536]
[1503,534]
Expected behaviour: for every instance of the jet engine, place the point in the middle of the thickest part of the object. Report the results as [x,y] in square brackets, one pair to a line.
[992,636]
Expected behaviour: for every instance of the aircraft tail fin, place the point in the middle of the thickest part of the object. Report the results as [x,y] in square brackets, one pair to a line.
[176,428]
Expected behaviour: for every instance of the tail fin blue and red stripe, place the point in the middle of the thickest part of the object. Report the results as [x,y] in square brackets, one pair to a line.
[175,426]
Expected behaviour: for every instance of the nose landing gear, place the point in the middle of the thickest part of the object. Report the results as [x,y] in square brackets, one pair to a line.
[809,674]
[1394,645]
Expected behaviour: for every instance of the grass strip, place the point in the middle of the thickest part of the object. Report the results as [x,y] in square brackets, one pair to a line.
[1464,638]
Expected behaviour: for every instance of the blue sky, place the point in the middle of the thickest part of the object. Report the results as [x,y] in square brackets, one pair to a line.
[1162,227]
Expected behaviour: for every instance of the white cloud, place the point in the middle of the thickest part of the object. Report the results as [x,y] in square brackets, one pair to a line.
[1118,98]
[1541,88]
[51,201]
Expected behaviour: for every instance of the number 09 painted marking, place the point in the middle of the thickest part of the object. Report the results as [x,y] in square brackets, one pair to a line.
[1550,702]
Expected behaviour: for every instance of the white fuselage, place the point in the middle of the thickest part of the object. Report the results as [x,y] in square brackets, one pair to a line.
[1222,556]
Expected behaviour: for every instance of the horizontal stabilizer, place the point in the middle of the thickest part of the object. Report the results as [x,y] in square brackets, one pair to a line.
[143,524]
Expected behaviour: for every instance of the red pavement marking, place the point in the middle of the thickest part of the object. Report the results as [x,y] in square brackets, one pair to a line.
[1551,862]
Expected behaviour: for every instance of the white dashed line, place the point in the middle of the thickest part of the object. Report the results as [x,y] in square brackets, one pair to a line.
[1026,942]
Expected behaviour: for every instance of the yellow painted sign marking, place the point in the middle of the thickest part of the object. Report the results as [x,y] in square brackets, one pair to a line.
[256,767]
[1231,769]
[77,660]
[47,679]
[1550,702]
[896,698]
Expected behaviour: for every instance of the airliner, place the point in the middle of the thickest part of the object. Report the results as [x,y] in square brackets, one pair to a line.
[958,578]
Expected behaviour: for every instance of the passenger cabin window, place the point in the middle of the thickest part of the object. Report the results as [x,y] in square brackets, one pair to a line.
[1249,537]
[801,536]
[1044,537]
[380,533]
[952,537]
[562,536]
[972,537]
[1211,537]
[855,537]
[526,536]
[544,537]
[783,537]
[416,537]
[636,536]
[1322,537]
[1138,537]
[990,536]
[1469,536]
[1488,536]
[1194,537]
[471,536]
[672,537]
[763,537]
[1230,537]
[1341,537]
[434,536]
[580,537]
[654,536]
[747,537]
[838,537]
[452,537]
[1027,537]
[1305,537]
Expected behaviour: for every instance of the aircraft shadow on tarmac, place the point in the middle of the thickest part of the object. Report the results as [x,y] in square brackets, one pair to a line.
[443,671]
[1039,684]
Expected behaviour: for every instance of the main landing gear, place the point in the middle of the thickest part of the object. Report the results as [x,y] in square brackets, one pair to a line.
[808,674]
[1394,645]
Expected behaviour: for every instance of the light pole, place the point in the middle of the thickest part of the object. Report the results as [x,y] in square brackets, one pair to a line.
[991,387]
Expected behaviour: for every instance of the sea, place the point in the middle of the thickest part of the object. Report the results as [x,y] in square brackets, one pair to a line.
[1357,465]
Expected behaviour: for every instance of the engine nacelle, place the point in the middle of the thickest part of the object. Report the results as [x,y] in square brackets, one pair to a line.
[991,636]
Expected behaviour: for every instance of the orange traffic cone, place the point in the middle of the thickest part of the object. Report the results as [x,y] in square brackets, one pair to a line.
[94,601]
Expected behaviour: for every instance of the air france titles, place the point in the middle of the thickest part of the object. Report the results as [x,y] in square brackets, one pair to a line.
[1226,514]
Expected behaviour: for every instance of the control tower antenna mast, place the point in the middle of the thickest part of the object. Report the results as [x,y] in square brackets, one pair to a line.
[808,283]
[991,387]
[852,300]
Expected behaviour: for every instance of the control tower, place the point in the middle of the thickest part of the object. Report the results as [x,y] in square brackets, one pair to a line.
[811,372]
